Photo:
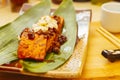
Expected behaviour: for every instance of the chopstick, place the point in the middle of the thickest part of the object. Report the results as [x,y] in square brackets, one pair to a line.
[109,36]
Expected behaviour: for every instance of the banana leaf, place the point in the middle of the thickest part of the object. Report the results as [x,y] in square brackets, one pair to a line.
[9,32]
[67,11]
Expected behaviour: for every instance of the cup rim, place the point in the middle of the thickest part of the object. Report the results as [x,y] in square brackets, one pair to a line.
[108,4]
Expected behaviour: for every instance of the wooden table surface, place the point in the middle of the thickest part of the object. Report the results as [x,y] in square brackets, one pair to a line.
[96,67]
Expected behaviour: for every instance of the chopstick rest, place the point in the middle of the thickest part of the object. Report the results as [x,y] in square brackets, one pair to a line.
[113,39]
[111,55]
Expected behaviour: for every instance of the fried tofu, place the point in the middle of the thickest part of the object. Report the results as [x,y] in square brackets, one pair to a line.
[35,45]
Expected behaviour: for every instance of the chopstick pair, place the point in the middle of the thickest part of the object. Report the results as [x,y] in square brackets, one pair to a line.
[109,36]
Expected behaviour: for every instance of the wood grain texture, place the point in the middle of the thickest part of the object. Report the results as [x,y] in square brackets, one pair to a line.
[97,67]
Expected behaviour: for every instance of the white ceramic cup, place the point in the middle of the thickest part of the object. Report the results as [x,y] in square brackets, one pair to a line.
[110,16]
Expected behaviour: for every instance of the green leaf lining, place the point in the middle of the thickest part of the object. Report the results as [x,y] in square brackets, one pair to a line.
[67,11]
[9,32]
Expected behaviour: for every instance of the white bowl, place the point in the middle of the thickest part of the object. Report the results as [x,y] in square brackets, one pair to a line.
[110,16]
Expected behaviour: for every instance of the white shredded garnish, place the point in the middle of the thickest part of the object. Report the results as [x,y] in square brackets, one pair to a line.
[44,23]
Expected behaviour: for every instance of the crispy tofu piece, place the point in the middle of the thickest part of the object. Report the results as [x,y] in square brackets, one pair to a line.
[32,49]
[35,46]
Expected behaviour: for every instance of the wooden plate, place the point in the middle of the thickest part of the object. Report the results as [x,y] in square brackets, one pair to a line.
[73,67]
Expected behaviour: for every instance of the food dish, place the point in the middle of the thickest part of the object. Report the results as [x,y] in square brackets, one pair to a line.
[43,38]
[73,67]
